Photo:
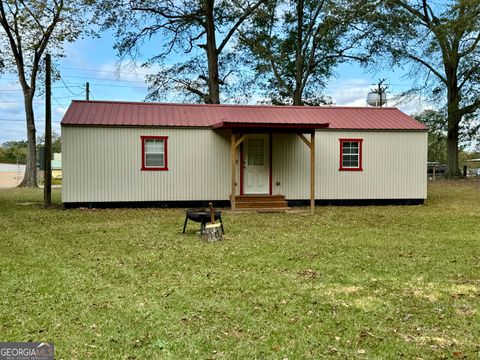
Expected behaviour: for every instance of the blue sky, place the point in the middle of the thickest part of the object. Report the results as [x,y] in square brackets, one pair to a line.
[95,61]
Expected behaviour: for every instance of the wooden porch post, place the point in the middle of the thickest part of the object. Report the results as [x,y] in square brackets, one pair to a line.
[311,145]
[312,172]
[234,170]
[234,145]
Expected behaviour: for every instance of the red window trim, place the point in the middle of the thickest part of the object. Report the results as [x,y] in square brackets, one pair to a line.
[165,142]
[360,143]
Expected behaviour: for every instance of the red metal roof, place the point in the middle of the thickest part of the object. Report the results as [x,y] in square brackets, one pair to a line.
[112,113]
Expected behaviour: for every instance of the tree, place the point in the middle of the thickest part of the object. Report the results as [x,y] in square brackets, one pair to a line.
[56,142]
[13,152]
[436,121]
[296,46]
[200,31]
[29,28]
[437,135]
[442,39]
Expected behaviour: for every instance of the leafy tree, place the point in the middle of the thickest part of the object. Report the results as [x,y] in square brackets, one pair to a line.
[56,142]
[441,40]
[200,31]
[464,156]
[13,152]
[437,136]
[296,46]
[29,28]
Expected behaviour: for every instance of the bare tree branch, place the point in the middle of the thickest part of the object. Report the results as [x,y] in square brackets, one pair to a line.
[239,22]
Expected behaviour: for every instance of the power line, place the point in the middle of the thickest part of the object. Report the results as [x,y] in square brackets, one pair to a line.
[80,85]
[109,71]
[119,86]
[95,78]
[119,72]
[66,87]
[21,102]
[23,120]
[58,103]
[110,85]
[55,87]
[148,73]
[35,101]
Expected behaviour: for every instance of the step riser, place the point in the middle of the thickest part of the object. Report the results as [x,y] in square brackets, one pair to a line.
[262,205]
[261,202]
[264,210]
[266,203]
[259,198]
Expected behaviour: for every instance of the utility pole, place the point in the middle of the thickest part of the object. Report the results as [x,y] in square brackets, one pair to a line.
[47,189]
[87,91]
[381,90]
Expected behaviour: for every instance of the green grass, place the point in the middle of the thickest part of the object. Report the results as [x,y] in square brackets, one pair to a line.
[363,282]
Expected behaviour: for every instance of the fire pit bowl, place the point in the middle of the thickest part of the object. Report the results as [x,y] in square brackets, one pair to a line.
[202,216]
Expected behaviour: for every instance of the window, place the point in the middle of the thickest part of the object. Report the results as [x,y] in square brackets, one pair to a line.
[351,154]
[154,152]
[256,151]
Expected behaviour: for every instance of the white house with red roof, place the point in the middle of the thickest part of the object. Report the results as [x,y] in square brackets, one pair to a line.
[124,153]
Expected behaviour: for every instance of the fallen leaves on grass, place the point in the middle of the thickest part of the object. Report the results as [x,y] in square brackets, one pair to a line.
[308,274]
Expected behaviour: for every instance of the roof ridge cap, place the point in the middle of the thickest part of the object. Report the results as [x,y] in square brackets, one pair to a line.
[151,103]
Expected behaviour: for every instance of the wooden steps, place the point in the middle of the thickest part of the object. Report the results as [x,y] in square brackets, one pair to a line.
[261,202]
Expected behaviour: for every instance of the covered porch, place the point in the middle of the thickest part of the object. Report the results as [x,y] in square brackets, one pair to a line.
[252,162]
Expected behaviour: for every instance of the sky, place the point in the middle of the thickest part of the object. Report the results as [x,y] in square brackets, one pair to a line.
[95,60]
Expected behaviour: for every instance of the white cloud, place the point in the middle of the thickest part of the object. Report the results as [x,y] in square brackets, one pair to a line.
[413,106]
[128,71]
[60,111]
[111,80]
[353,92]
[12,126]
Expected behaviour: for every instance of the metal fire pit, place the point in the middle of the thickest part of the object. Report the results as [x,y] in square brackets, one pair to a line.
[202,216]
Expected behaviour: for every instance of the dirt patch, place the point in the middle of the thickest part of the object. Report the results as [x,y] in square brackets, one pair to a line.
[465,311]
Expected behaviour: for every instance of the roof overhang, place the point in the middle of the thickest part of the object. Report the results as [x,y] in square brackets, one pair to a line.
[279,127]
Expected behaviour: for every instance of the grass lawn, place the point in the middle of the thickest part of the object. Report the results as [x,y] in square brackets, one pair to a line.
[364,282]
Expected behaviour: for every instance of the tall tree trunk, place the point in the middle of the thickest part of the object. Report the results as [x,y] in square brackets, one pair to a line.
[297,94]
[453,119]
[452,141]
[212,55]
[452,148]
[30,178]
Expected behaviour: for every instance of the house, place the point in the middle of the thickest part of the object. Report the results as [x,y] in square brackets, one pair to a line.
[56,166]
[124,153]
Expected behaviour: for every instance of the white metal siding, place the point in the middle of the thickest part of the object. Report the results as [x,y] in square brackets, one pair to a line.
[394,166]
[103,164]
[290,166]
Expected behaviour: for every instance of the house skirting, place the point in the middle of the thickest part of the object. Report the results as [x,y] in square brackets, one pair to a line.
[146,204]
[226,203]
[358,202]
